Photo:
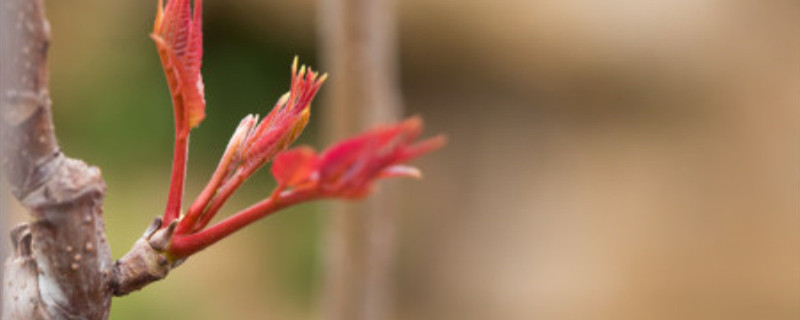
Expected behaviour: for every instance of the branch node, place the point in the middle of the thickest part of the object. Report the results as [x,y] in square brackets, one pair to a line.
[146,262]
[159,240]
[21,239]
[152,228]
[139,267]
[61,181]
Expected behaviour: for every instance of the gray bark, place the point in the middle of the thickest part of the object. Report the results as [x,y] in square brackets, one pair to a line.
[61,266]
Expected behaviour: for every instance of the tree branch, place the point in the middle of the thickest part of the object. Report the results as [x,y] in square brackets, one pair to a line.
[358,40]
[60,268]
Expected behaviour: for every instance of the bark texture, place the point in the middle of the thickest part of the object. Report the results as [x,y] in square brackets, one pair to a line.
[60,267]
[358,43]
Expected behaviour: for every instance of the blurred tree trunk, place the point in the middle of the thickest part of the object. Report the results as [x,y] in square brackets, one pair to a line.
[60,267]
[359,52]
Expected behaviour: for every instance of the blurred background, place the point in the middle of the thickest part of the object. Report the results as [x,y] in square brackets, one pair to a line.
[607,159]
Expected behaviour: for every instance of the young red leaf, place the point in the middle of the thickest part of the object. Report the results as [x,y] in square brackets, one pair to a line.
[349,168]
[399,170]
[293,167]
[287,119]
[179,39]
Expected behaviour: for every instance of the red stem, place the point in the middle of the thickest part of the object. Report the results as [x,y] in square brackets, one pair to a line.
[183,246]
[175,198]
[202,201]
[220,197]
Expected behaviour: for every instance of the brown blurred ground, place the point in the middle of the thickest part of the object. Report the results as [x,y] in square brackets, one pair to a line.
[608,160]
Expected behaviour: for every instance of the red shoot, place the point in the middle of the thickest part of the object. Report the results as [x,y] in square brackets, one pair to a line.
[179,40]
[253,145]
[346,170]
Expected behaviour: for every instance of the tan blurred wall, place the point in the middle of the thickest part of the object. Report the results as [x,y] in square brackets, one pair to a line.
[609,160]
